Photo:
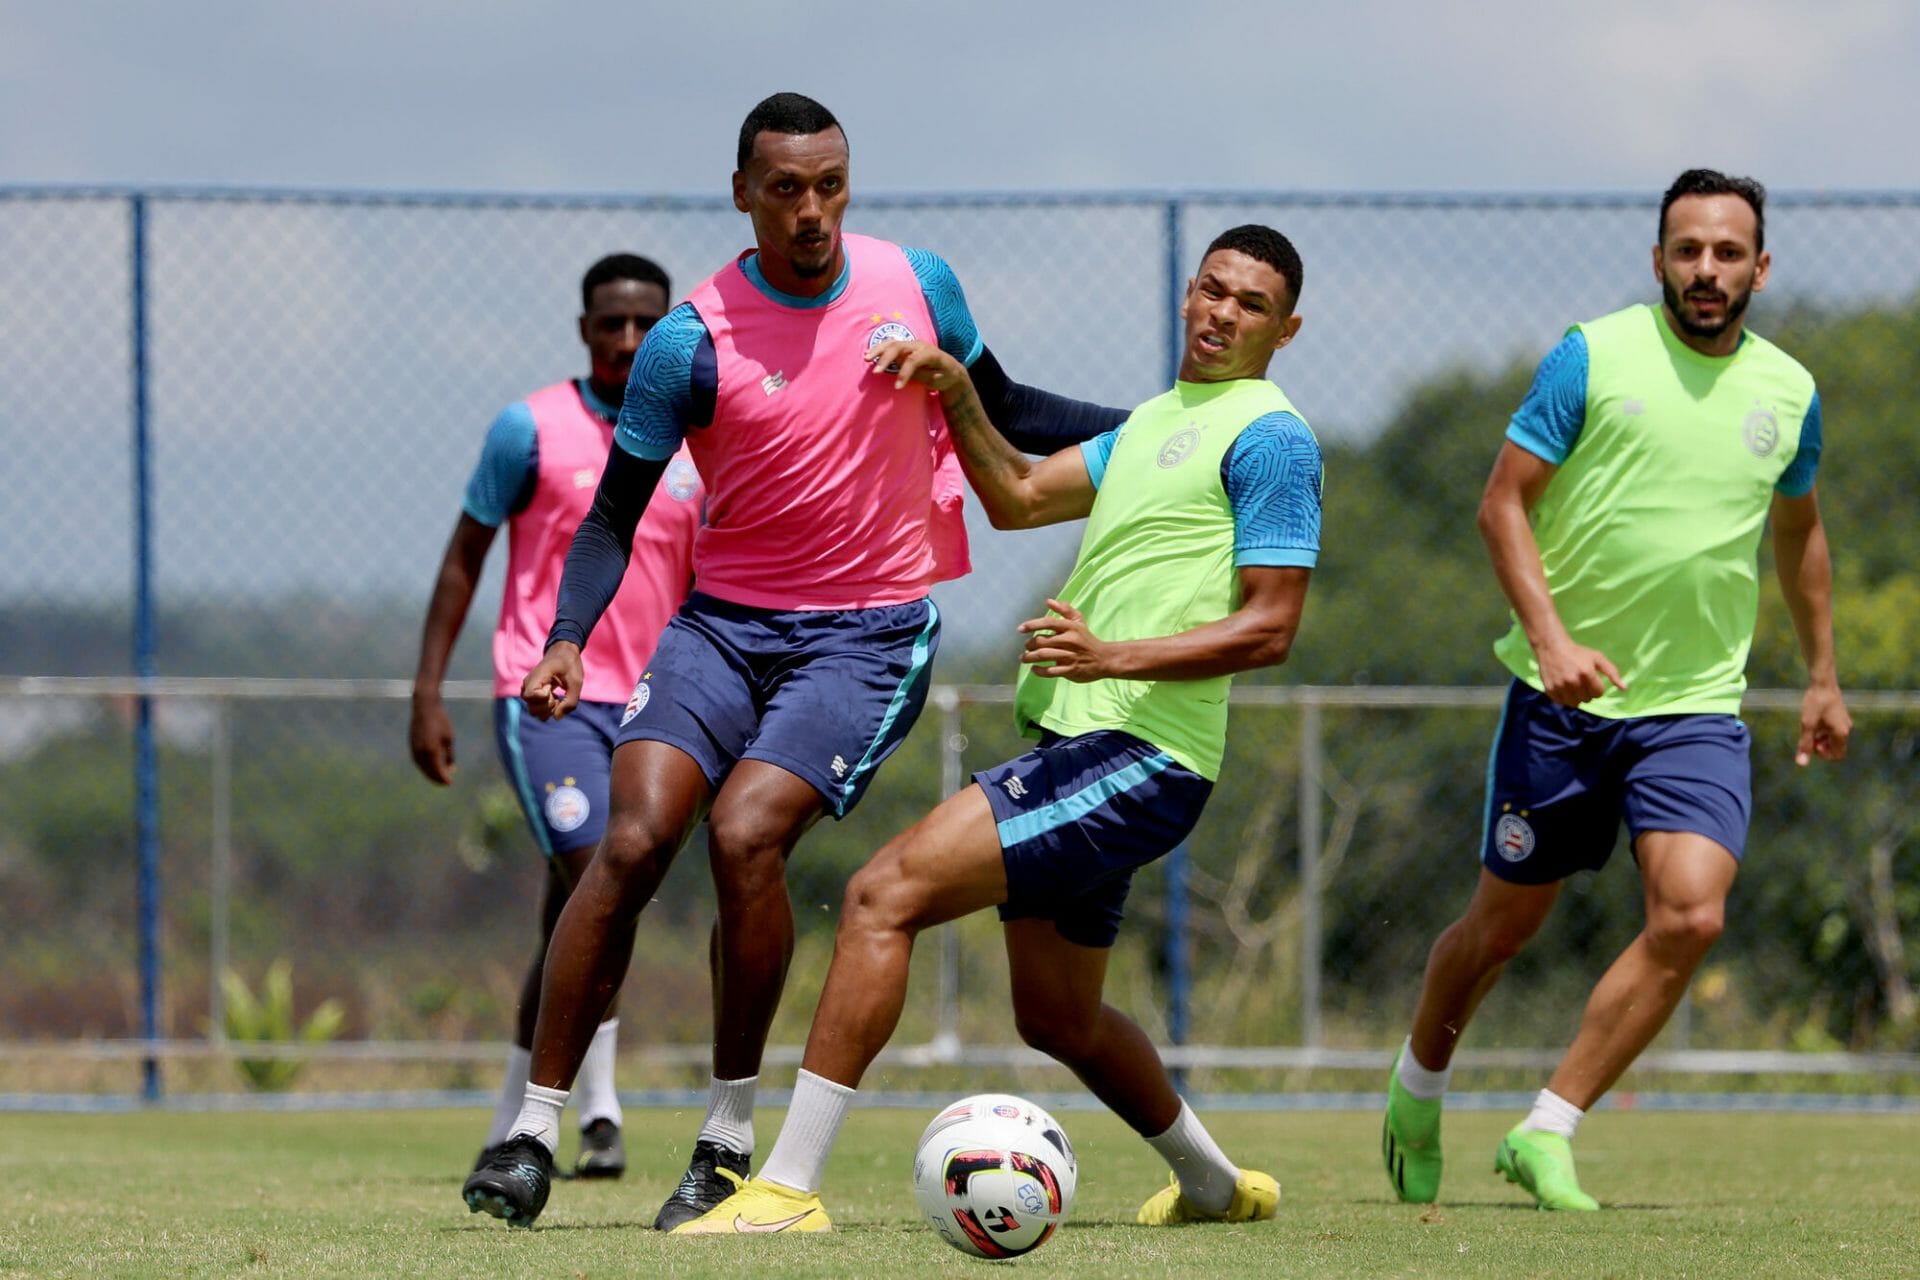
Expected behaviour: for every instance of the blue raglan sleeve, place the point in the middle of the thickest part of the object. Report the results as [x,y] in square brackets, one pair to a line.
[664,389]
[1272,476]
[1097,451]
[1797,480]
[502,481]
[1550,419]
[953,322]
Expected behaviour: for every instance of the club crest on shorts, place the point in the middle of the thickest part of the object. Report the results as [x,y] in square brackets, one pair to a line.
[641,692]
[1513,837]
[567,806]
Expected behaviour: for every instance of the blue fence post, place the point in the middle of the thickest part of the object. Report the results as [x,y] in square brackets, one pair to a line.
[1176,951]
[146,764]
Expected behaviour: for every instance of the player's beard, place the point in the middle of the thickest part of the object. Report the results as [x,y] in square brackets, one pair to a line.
[1736,307]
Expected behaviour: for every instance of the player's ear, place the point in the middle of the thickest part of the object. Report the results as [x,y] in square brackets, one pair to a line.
[740,190]
[1288,328]
[583,329]
[1761,267]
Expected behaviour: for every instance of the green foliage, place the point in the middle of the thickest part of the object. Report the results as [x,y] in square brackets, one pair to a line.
[269,1018]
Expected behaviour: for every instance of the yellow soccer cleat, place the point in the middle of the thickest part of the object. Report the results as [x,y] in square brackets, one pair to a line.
[760,1207]
[1255,1196]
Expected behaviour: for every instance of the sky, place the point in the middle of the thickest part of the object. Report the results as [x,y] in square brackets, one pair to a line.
[1364,95]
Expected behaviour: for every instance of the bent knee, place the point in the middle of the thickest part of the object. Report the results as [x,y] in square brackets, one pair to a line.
[1692,930]
[1066,1039]
[632,846]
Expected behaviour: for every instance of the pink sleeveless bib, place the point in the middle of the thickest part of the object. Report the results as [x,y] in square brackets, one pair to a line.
[828,488]
[573,444]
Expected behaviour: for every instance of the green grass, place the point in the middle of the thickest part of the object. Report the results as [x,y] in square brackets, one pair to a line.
[377,1194]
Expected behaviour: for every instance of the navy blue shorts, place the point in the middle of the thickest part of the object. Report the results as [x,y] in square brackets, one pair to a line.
[1560,779]
[1077,816]
[825,694]
[559,769]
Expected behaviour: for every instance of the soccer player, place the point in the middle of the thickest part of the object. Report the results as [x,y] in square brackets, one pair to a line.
[1623,515]
[802,657]
[1204,524]
[536,474]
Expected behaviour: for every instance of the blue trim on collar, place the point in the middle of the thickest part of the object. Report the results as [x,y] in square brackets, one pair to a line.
[750,267]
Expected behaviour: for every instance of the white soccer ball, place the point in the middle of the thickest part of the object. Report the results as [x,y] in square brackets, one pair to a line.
[995,1175]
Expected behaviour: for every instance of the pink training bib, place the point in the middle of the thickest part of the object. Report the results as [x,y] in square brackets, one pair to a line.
[828,488]
[572,442]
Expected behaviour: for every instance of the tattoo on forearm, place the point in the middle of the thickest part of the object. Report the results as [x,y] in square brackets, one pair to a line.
[984,447]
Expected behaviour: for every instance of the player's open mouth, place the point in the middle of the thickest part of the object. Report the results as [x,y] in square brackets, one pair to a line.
[1211,342]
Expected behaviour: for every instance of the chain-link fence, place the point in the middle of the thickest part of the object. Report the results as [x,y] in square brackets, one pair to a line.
[237,427]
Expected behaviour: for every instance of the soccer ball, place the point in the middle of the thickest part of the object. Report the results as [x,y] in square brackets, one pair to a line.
[995,1175]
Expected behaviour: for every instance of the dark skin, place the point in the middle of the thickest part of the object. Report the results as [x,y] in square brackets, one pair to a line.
[618,316]
[950,864]
[795,191]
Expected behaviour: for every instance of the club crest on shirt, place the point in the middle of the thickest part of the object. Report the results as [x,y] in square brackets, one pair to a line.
[566,806]
[885,330]
[1761,431]
[683,480]
[1513,837]
[1179,447]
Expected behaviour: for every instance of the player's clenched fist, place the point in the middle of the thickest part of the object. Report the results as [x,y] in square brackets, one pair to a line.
[552,688]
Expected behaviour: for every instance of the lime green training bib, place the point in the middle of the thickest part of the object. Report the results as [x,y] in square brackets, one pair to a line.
[1649,529]
[1157,558]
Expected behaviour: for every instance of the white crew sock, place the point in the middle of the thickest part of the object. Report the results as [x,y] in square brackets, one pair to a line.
[540,1115]
[1553,1114]
[594,1095]
[513,1091]
[1206,1175]
[729,1119]
[805,1140]
[1417,1080]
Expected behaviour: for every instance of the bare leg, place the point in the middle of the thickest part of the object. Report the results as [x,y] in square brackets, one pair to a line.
[1468,958]
[564,870]
[1058,1010]
[1687,878]
[945,866]
[657,796]
[758,818]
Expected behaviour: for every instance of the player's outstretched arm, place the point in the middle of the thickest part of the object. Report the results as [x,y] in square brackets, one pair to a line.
[1032,419]
[429,730]
[1805,569]
[596,562]
[1016,492]
[1571,672]
[1257,634]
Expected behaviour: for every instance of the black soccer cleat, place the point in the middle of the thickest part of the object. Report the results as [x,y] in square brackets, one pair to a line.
[602,1152]
[513,1183]
[714,1173]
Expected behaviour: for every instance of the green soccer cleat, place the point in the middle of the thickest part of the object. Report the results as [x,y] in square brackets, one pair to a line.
[760,1207]
[1410,1142]
[1543,1164]
[1255,1197]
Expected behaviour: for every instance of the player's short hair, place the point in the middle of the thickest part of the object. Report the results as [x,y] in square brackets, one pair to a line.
[1711,182]
[1270,247]
[622,266]
[793,113]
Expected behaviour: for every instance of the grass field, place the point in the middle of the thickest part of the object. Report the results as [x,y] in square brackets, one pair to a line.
[377,1194]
